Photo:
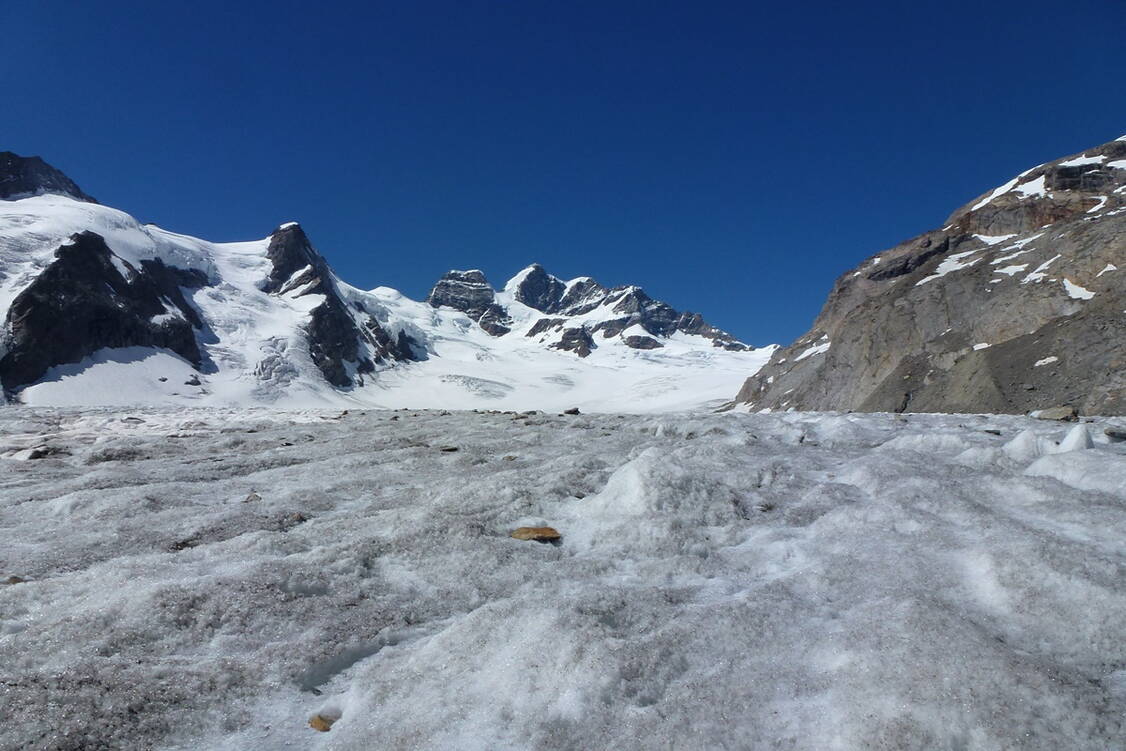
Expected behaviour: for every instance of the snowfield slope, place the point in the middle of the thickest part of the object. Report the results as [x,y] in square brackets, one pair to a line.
[98,309]
[1017,303]
[190,579]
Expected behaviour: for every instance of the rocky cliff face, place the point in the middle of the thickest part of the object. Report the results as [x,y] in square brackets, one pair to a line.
[345,341]
[1017,303]
[471,293]
[87,299]
[29,176]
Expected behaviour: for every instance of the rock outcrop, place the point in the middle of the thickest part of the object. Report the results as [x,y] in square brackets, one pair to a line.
[471,293]
[22,176]
[345,341]
[576,339]
[87,299]
[1015,304]
[540,290]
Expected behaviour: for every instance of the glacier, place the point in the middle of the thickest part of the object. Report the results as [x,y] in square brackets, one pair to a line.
[220,578]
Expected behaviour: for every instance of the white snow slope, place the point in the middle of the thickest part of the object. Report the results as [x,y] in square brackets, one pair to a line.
[211,579]
[261,352]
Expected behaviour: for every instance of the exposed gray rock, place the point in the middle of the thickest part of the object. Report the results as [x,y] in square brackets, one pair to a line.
[343,338]
[564,302]
[577,340]
[470,292]
[1014,305]
[629,305]
[642,342]
[540,290]
[1054,413]
[583,296]
[82,302]
[544,325]
[22,176]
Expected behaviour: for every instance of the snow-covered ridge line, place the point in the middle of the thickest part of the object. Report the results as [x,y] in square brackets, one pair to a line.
[192,322]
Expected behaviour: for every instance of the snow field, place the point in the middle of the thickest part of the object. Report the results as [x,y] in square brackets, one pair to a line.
[212,578]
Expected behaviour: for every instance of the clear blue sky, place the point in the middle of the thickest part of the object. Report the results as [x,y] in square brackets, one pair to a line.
[731,157]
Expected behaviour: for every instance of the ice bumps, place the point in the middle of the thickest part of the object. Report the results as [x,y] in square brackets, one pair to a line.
[725,581]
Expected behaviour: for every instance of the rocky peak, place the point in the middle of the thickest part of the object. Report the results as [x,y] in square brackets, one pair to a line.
[470,293]
[22,176]
[537,289]
[582,296]
[291,252]
[345,341]
[458,285]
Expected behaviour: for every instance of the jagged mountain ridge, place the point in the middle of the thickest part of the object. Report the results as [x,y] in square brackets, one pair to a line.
[576,311]
[1015,304]
[98,306]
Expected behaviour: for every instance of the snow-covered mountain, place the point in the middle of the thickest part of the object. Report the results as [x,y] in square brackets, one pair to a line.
[100,309]
[1016,304]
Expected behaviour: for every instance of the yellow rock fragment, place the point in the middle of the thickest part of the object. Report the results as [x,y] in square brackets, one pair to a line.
[539,534]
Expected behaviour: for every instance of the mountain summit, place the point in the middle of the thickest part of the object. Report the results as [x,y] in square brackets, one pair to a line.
[22,176]
[1015,304]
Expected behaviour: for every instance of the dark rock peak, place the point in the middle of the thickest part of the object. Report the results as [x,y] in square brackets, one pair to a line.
[661,319]
[694,323]
[345,342]
[291,252]
[82,302]
[22,176]
[470,293]
[539,289]
[471,276]
[582,296]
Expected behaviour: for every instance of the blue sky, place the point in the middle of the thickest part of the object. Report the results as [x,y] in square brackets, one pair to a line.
[730,157]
